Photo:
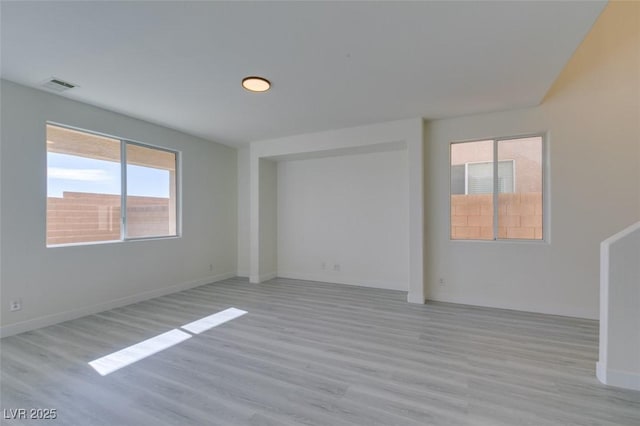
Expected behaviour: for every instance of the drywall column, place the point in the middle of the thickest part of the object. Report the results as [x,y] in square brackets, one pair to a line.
[268,219]
[619,363]
[244,214]
[254,217]
[263,226]
[415,150]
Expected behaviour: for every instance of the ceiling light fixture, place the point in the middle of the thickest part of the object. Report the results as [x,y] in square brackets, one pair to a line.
[256,84]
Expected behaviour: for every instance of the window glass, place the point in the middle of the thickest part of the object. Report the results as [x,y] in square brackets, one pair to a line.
[151,192]
[458,178]
[516,191]
[520,210]
[480,178]
[83,187]
[85,195]
[472,209]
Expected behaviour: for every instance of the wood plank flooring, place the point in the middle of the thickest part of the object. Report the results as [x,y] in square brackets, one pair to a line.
[316,354]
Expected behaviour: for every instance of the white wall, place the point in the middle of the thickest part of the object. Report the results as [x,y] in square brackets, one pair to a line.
[65,282]
[619,363]
[350,210]
[591,115]
[405,135]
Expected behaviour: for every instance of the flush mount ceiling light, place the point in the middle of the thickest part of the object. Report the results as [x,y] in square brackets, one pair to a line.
[256,84]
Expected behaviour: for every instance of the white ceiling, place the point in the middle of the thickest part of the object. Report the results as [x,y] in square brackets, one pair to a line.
[332,64]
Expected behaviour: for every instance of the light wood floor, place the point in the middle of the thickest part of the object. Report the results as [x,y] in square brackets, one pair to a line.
[319,354]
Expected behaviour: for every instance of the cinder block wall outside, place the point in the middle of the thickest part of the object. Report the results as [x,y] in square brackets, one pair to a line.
[82,217]
[519,216]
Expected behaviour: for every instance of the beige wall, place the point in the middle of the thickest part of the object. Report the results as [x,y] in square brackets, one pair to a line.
[592,118]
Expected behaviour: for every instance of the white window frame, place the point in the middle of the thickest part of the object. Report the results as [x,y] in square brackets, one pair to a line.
[545,163]
[123,188]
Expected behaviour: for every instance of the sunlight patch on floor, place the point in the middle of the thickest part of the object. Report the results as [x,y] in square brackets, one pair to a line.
[117,360]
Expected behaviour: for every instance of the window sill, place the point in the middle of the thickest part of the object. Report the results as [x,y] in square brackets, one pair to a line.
[100,243]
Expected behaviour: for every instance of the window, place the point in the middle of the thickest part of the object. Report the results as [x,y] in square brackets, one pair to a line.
[106,189]
[497,189]
[477,178]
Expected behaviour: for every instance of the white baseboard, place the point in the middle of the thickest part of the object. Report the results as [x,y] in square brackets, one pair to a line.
[268,276]
[458,299]
[327,278]
[601,372]
[413,298]
[47,320]
[242,274]
[255,279]
[617,378]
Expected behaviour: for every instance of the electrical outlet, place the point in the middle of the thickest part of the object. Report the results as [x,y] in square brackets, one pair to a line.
[336,267]
[442,282]
[15,305]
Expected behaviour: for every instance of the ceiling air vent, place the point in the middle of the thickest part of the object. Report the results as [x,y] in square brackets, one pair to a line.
[57,85]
